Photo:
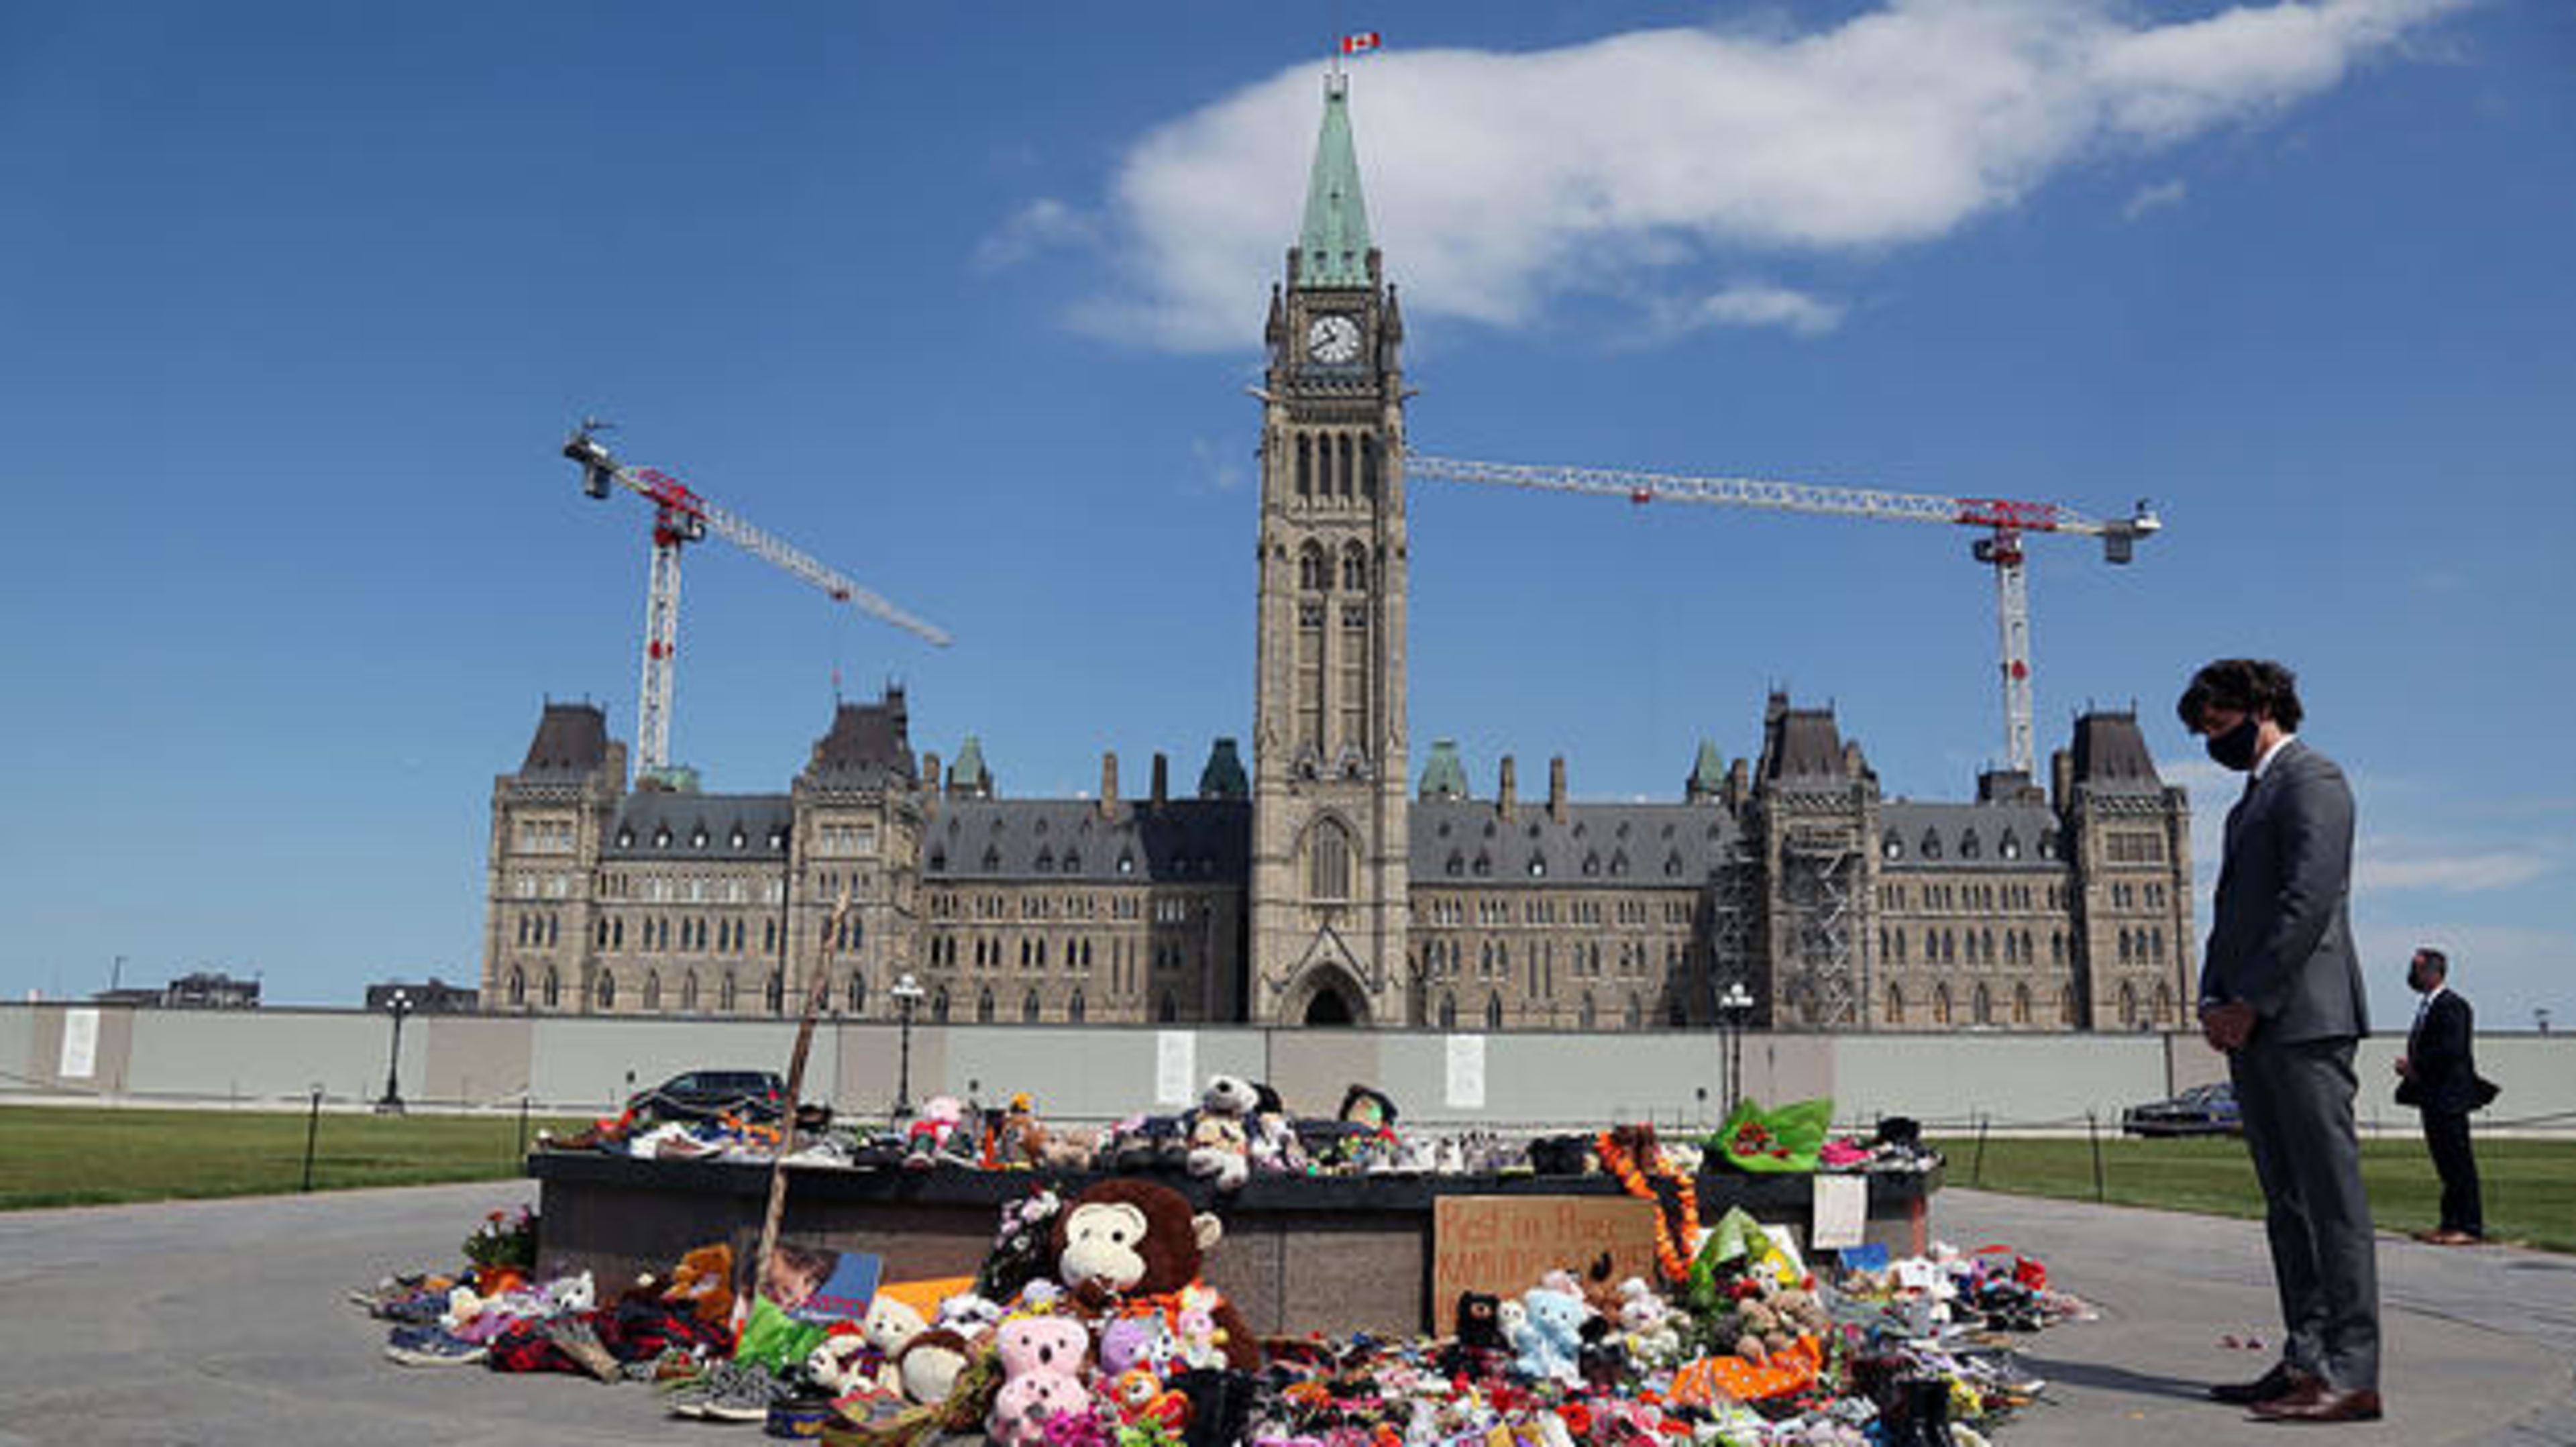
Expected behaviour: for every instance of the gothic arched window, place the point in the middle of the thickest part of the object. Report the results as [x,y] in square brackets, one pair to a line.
[518,986]
[1305,466]
[856,994]
[1368,468]
[1448,1010]
[1343,470]
[1030,1011]
[2021,1004]
[1895,1003]
[554,988]
[652,990]
[1328,863]
[984,1007]
[1493,1011]
[773,995]
[1073,1008]
[1982,1006]
[606,993]
[1354,568]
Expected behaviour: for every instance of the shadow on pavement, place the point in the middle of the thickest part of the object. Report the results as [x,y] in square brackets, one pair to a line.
[2097,1376]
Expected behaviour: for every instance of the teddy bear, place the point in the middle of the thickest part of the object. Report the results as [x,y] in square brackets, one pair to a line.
[1551,1340]
[1042,1360]
[1220,1136]
[1017,1141]
[1652,1333]
[1480,1347]
[1137,1242]
[931,1134]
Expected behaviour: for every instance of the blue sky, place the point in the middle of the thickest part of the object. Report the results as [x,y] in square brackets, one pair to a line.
[298,300]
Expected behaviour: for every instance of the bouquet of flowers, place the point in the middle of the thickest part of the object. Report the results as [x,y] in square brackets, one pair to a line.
[505,1240]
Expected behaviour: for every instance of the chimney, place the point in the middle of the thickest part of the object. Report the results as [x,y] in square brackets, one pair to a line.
[1556,788]
[1108,783]
[2061,779]
[1507,795]
[1739,784]
[1162,780]
[930,772]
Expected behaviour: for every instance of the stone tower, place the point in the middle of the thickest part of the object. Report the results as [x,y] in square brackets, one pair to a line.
[1329,842]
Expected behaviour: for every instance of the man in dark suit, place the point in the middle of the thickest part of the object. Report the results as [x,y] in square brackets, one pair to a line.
[2439,1077]
[2281,993]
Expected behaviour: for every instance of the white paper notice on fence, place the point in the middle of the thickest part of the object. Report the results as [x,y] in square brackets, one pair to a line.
[80,1045]
[1176,1067]
[1466,1072]
[1842,1206]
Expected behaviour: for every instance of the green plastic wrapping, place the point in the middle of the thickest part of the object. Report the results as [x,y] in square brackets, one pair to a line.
[1796,1133]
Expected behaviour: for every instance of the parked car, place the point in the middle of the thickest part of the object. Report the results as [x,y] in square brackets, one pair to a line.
[707,1094]
[2201,1110]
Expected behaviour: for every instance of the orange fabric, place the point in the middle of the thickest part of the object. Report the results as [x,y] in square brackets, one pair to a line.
[1713,1380]
[925,1295]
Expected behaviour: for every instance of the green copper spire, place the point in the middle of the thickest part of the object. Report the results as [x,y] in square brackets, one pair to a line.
[1443,777]
[1707,775]
[1333,246]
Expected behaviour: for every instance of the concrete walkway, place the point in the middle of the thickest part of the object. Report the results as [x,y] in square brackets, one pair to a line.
[2479,1342]
[223,1323]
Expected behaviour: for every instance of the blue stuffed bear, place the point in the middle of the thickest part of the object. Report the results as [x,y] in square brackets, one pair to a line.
[1549,1341]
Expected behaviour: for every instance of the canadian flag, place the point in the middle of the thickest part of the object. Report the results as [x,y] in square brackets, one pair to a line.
[1354,44]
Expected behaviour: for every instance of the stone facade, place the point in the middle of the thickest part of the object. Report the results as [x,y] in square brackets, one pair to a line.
[1320,887]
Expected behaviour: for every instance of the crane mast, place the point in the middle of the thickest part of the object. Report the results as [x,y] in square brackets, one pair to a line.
[681,517]
[2005,522]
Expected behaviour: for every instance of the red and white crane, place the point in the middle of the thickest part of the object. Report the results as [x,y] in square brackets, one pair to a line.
[681,517]
[2004,521]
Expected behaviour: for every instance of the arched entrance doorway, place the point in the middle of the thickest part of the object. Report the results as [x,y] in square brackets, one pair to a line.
[1328,1008]
[1325,995]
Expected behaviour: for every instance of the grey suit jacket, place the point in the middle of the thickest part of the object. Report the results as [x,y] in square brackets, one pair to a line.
[2280,936]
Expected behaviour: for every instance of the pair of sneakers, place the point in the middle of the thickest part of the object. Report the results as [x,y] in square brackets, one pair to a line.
[728,1391]
[427,1346]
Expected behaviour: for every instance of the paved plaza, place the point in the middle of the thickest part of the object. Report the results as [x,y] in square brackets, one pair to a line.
[224,1323]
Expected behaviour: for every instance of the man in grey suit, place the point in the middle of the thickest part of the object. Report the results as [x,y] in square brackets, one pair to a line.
[2281,993]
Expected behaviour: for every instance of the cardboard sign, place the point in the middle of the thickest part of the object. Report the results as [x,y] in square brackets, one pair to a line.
[1504,1244]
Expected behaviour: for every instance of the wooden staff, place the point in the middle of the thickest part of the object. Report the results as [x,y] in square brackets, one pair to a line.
[795,1093]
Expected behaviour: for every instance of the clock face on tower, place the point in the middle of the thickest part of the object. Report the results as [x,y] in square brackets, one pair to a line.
[1333,339]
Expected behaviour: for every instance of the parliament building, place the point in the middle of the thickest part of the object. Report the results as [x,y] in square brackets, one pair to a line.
[1322,881]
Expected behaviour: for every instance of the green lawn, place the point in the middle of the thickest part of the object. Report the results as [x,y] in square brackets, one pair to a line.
[2529,1186]
[69,1156]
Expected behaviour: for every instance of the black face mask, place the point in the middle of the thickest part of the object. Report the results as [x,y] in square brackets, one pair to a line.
[2234,749]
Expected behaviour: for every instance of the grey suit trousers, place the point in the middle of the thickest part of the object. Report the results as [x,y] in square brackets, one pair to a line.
[2296,1099]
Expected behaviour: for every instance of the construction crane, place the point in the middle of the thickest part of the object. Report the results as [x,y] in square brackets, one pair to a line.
[2003,520]
[681,517]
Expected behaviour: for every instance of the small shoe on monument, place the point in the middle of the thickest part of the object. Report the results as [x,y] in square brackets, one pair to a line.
[2282,1380]
[2314,1401]
[2448,1236]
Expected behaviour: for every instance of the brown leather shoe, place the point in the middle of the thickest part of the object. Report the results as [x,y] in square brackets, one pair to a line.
[2314,1401]
[2279,1382]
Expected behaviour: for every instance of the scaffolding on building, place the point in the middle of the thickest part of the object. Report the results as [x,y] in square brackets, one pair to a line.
[1819,969]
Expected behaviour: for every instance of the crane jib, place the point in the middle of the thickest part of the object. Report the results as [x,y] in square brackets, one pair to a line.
[1997,512]
[669,491]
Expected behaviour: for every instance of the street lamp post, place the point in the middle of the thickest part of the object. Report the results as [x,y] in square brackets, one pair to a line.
[907,993]
[399,1006]
[1733,1008]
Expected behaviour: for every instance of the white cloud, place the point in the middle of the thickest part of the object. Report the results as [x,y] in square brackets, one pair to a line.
[2154,198]
[1498,182]
[1041,225]
[2384,864]
[1759,306]
[1222,466]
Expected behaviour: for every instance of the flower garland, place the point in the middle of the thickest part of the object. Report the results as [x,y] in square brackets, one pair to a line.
[1632,1175]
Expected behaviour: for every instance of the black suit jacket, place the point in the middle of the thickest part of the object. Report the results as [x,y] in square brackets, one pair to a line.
[2441,1049]
[2280,935]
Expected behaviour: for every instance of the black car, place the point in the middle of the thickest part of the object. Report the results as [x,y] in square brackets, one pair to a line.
[2201,1110]
[706,1094]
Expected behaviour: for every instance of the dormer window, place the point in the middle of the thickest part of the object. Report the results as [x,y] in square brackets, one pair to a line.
[662,837]
[1072,862]
[1457,864]
[992,858]
[1891,847]
[2048,844]
[1672,865]
[626,838]
[1619,863]
[1126,862]
[698,840]
[2010,847]
[1968,848]
[1592,863]
[938,861]
[1537,867]
[1484,865]
[1930,848]
[737,837]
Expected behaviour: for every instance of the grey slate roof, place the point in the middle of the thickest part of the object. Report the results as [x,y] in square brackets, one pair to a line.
[1621,846]
[1967,836]
[654,825]
[867,746]
[2111,753]
[1802,743]
[571,740]
[1184,841]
